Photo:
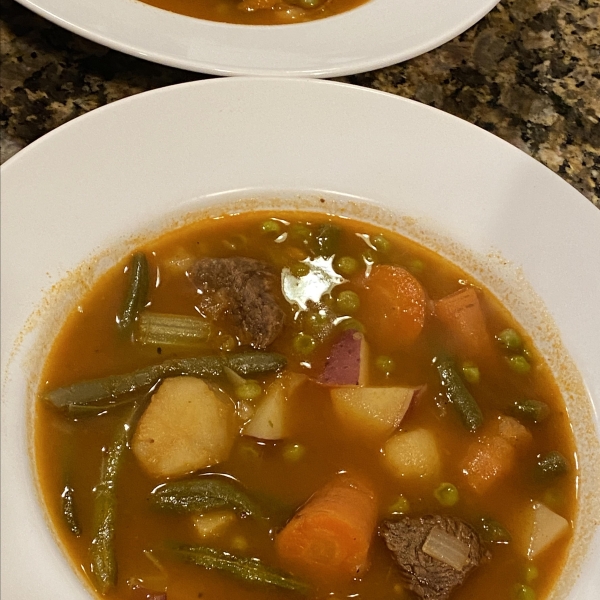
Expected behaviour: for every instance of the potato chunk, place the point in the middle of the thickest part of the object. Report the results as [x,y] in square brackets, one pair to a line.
[372,411]
[412,454]
[543,527]
[185,427]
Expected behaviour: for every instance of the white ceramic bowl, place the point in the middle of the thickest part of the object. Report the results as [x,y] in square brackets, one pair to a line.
[83,194]
[376,34]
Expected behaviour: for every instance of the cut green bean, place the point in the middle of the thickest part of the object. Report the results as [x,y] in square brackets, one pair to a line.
[68,510]
[102,550]
[204,493]
[328,239]
[137,292]
[530,410]
[248,569]
[113,386]
[459,396]
[160,329]
[552,464]
[493,532]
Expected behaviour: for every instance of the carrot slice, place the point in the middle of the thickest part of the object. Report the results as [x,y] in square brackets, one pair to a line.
[462,316]
[329,537]
[488,460]
[396,304]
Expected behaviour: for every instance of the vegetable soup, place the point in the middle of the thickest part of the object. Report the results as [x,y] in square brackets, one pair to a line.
[296,405]
[257,12]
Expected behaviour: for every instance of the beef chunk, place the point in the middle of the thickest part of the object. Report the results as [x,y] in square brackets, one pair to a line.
[241,288]
[428,577]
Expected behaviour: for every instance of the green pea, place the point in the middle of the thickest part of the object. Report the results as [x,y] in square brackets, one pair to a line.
[352,324]
[271,226]
[300,231]
[300,269]
[510,339]
[400,506]
[347,302]
[470,372]
[519,364]
[385,364]
[446,494]
[416,266]
[369,256]
[523,592]
[531,572]
[346,265]
[248,390]
[381,243]
[293,452]
[304,343]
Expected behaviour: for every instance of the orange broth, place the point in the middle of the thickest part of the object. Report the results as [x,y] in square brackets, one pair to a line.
[89,346]
[257,12]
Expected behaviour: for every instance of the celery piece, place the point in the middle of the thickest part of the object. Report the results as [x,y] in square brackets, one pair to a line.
[137,292]
[161,329]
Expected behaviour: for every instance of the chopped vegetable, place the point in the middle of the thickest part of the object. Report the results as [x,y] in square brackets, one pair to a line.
[446,494]
[396,304]
[462,316]
[488,459]
[328,239]
[446,548]
[249,390]
[530,410]
[459,396]
[400,506]
[381,243]
[271,419]
[330,536]
[347,302]
[137,292]
[372,411]
[68,510]
[543,527]
[249,569]
[493,532]
[162,329]
[347,363]
[93,390]
[531,572]
[304,343]
[271,226]
[512,431]
[412,454]
[523,592]
[102,551]
[201,494]
[185,427]
[470,372]
[552,464]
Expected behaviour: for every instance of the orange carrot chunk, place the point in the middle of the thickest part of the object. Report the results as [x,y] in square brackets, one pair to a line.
[396,304]
[462,316]
[488,460]
[329,537]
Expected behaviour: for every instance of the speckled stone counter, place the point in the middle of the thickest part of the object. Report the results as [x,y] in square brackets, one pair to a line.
[529,72]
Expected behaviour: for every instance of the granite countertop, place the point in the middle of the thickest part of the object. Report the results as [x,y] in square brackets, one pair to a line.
[529,72]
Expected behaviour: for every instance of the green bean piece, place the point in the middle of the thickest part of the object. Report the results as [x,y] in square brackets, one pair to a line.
[249,569]
[328,239]
[493,532]
[76,411]
[510,339]
[552,464]
[68,510]
[137,292]
[203,493]
[113,386]
[102,550]
[459,396]
[161,329]
[530,410]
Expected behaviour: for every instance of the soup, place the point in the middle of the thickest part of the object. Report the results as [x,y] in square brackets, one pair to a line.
[257,12]
[295,405]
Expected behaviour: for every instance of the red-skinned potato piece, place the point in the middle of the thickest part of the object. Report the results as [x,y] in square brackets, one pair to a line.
[329,537]
[347,362]
[396,304]
[372,411]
